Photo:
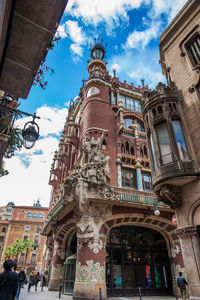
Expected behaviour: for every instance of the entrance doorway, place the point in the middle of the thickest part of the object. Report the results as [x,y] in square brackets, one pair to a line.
[137,257]
[70,265]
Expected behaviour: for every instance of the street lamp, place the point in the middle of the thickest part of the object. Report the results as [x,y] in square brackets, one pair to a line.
[30,133]
[149,212]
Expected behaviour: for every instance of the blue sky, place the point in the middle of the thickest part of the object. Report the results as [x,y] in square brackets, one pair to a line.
[131,30]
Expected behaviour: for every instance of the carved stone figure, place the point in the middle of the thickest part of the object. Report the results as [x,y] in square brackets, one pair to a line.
[170,195]
[89,181]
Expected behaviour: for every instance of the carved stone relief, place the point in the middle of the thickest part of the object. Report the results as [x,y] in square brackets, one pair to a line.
[88,182]
[171,195]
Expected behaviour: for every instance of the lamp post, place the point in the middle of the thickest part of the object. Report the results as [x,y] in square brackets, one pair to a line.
[30,132]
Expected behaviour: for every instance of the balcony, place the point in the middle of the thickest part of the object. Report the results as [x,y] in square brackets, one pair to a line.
[138,197]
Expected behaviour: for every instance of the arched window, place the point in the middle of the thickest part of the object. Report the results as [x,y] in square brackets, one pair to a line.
[34,216]
[122,148]
[41,215]
[28,215]
[160,110]
[145,152]
[104,145]
[127,148]
[141,127]
[132,150]
[154,112]
[141,152]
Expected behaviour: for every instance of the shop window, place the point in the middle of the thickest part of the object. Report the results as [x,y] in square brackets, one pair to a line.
[193,48]
[129,179]
[164,144]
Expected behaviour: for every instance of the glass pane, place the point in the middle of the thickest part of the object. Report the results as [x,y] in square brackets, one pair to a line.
[117,268]
[164,144]
[153,153]
[159,277]
[180,140]
[148,275]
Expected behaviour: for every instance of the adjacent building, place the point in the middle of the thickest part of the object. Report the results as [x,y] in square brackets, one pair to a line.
[172,117]
[106,231]
[23,222]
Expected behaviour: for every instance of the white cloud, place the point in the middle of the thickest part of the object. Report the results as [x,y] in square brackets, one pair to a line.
[29,170]
[140,39]
[76,49]
[113,12]
[71,30]
[137,65]
[61,31]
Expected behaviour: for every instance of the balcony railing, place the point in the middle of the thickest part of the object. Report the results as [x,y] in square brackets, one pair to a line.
[139,197]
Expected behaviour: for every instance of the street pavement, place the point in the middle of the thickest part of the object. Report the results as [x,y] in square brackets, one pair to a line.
[47,295]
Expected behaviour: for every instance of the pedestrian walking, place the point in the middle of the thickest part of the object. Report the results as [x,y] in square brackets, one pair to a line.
[181,282]
[21,279]
[31,280]
[37,279]
[8,282]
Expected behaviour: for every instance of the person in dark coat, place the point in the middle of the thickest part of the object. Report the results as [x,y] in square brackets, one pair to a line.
[181,282]
[21,279]
[8,282]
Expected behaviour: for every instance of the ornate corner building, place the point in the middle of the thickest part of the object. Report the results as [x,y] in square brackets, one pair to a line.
[172,119]
[106,231]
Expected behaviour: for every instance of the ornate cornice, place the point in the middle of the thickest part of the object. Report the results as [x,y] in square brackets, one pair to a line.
[187,231]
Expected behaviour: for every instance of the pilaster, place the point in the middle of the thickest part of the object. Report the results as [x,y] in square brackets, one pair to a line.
[57,268]
[190,246]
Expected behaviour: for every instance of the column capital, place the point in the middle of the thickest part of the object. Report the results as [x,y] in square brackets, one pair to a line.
[187,231]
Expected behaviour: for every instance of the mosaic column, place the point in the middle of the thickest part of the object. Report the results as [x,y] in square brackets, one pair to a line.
[139,175]
[191,255]
[57,268]
[119,172]
[90,270]
[118,97]
[48,259]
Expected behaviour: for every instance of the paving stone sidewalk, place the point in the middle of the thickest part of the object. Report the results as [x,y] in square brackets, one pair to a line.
[47,295]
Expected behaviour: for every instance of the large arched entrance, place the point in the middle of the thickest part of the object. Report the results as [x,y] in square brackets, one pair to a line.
[137,256]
